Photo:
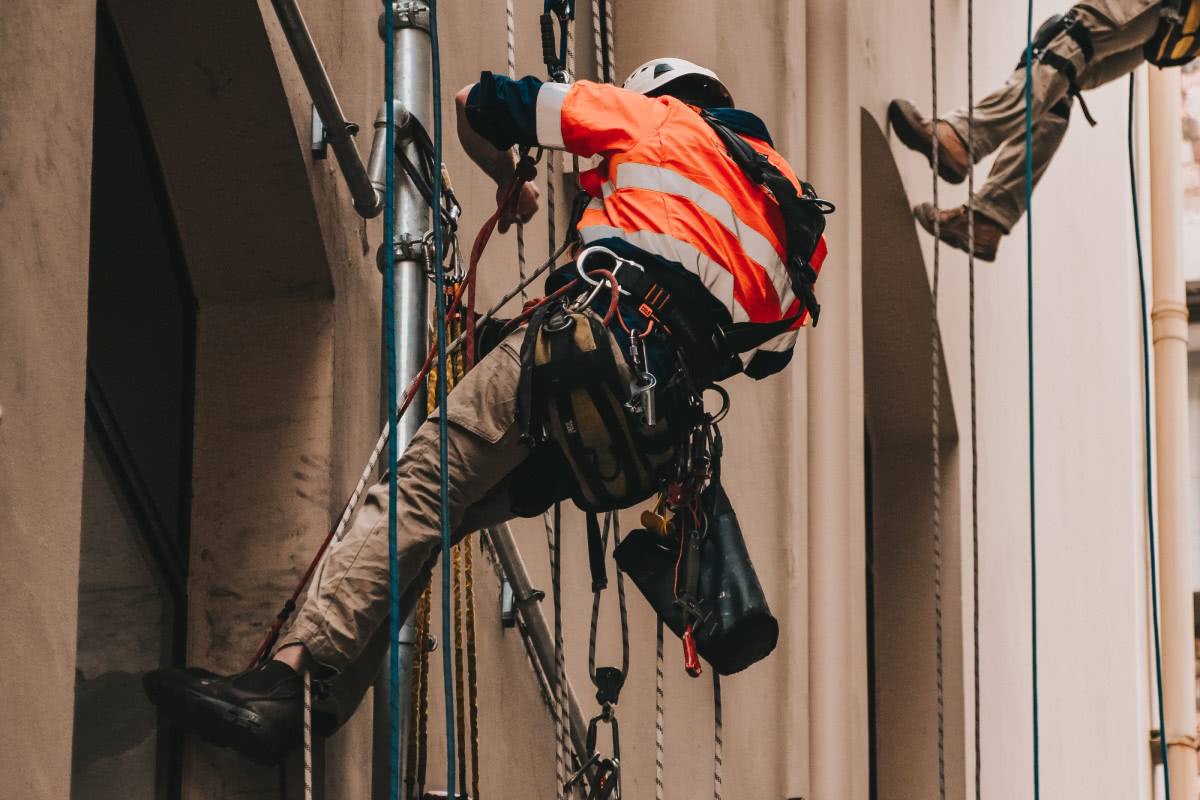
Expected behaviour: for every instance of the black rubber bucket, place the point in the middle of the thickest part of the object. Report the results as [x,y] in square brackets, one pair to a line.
[737,629]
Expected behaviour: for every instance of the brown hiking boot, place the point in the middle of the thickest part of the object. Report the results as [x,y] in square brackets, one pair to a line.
[952,229]
[916,133]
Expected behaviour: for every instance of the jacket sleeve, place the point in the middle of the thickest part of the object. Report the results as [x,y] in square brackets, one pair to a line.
[586,118]
[503,111]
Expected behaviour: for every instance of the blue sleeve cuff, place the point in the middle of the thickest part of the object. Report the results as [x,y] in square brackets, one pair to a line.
[504,111]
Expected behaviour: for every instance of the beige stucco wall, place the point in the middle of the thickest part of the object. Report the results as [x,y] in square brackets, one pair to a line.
[45,116]
[287,401]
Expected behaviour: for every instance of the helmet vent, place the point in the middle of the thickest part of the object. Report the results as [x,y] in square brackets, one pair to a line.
[660,69]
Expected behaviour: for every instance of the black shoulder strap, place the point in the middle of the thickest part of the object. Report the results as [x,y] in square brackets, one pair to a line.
[803,215]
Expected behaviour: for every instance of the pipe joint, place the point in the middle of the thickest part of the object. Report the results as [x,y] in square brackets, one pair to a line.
[1170,320]
[405,14]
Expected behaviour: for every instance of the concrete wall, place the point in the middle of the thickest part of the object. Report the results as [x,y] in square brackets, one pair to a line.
[287,401]
[45,164]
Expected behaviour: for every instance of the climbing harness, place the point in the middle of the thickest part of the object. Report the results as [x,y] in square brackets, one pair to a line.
[1176,41]
[1147,401]
[1039,51]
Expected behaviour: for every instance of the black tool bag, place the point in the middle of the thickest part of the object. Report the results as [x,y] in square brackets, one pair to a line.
[1177,39]
[571,399]
[736,628]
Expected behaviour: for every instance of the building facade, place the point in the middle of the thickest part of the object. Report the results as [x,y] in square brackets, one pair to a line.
[190,316]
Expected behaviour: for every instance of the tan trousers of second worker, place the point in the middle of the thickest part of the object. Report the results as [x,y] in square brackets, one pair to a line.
[342,621]
[1118,30]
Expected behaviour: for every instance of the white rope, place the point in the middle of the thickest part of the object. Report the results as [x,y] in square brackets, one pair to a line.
[308,751]
[935,418]
[718,744]
[512,74]
[659,699]
[597,45]
[560,749]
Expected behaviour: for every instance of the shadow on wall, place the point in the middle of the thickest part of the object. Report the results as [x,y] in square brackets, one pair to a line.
[902,613]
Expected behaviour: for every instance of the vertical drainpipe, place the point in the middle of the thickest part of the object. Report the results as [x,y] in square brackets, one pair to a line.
[414,94]
[1169,315]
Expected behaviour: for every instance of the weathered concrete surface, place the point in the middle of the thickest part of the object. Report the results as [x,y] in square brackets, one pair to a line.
[45,168]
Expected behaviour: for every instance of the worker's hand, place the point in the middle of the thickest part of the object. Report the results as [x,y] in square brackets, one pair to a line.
[526,207]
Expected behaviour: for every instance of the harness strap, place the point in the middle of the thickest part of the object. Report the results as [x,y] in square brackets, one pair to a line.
[1052,59]
[596,553]
[1050,30]
[803,216]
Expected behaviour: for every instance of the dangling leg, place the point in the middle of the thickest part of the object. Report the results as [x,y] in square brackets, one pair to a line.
[258,712]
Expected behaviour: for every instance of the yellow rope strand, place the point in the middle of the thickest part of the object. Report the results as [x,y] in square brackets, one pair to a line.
[422,662]
[472,666]
[460,699]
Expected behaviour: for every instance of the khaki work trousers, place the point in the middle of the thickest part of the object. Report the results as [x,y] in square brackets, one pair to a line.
[341,623]
[1118,29]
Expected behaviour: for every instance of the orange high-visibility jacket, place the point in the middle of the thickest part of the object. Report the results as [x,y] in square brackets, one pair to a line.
[665,185]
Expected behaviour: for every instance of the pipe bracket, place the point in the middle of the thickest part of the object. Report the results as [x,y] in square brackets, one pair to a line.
[406,14]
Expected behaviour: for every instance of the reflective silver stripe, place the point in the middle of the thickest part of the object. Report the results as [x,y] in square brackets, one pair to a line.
[756,246]
[717,279]
[549,114]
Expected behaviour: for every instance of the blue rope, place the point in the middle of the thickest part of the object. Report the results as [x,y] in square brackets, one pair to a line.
[1137,237]
[439,284]
[1029,320]
[389,327]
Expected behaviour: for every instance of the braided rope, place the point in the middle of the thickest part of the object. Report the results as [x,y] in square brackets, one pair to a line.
[425,607]
[460,695]
[971,336]
[560,758]
[308,749]
[660,680]
[472,665]
[935,417]
[597,43]
[718,744]
[512,74]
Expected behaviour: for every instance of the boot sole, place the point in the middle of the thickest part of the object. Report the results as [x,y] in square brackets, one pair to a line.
[216,721]
[917,140]
[951,238]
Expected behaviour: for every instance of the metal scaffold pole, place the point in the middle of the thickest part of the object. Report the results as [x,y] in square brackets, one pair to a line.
[413,96]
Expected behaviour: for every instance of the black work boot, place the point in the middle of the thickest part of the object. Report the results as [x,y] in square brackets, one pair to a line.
[916,133]
[259,713]
[953,229]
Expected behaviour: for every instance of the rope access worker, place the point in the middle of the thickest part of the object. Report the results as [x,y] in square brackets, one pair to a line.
[710,265]
[1096,42]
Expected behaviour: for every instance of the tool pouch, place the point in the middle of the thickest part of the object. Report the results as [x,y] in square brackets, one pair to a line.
[736,628]
[1176,41]
[571,399]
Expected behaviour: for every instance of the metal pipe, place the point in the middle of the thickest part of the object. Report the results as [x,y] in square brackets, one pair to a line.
[368,201]
[414,94]
[513,567]
[1170,333]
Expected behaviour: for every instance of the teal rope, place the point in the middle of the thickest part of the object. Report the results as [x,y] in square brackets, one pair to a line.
[1137,236]
[1029,320]
[389,327]
[439,284]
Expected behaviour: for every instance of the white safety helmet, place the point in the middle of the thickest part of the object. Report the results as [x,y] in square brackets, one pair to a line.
[658,72]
